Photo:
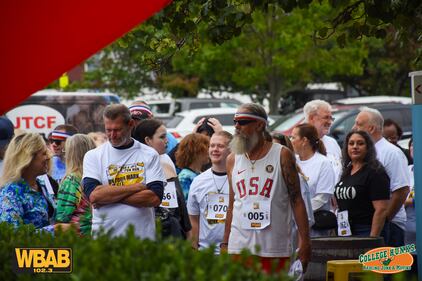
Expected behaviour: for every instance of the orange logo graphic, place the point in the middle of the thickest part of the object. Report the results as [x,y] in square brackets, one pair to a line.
[388,260]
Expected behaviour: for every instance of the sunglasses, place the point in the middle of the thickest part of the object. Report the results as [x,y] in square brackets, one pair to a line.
[243,122]
[57,142]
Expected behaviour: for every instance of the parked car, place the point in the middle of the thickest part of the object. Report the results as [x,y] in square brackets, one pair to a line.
[401,113]
[372,100]
[285,125]
[168,108]
[184,122]
[297,99]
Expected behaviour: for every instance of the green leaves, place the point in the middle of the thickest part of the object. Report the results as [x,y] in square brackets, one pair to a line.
[126,258]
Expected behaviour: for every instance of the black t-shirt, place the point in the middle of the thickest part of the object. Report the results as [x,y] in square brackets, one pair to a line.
[356,192]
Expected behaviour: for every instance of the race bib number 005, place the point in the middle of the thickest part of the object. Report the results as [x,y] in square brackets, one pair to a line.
[217,206]
[256,215]
[169,196]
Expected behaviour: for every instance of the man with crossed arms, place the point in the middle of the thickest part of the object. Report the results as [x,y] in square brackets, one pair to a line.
[123,179]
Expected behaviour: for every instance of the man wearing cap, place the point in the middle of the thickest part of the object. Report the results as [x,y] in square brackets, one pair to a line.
[57,139]
[6,135]
[264,191]
[139,110]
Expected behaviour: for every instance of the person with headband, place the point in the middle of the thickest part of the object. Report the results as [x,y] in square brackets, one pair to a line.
[57,140]
[264,193]
[139,110]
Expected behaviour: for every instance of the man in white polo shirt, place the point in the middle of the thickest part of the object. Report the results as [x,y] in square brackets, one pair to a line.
[209,196]
[123,179]
[395,163]
[319,114]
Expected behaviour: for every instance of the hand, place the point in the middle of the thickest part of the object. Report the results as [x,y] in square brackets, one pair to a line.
[215,124]
[195,129]
[223,247]
[304,254]
[63,226]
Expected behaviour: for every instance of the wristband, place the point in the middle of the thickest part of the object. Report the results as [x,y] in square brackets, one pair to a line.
[224,244]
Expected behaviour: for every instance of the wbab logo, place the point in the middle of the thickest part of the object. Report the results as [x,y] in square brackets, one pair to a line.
[42,260]
[388,260]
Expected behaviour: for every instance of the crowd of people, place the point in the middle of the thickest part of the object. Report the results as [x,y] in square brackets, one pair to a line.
[252,190]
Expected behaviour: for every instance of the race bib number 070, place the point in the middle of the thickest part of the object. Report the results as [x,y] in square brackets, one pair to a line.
[217,206]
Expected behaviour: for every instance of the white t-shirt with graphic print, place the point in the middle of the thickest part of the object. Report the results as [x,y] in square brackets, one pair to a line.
[117,167]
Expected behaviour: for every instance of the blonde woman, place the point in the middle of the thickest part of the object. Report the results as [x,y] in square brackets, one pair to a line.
[72,204]
[24,198]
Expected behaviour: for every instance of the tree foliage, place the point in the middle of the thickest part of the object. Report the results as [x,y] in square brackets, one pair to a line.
[244,44]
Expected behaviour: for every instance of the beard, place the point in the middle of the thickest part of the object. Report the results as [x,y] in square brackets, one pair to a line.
[243,144]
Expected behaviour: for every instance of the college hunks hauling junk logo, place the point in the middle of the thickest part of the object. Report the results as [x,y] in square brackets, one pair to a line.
[388,260]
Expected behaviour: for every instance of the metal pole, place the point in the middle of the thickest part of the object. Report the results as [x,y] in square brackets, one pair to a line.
[416,86]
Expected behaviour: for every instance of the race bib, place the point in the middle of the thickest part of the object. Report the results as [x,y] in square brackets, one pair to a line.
[256,214]
[169,196]
[217,206]
[343,224]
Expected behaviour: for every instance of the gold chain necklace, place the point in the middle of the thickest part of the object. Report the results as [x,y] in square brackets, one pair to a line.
[252,162]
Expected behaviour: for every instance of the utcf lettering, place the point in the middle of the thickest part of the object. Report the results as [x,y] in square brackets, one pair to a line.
[253,188]
[56,260]
[39,122]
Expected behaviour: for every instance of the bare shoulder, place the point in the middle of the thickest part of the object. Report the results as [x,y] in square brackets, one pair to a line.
[287,156]
[230,162]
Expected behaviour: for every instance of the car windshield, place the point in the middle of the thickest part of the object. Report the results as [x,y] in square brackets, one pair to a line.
[225,119]
[174,122]
[289,122]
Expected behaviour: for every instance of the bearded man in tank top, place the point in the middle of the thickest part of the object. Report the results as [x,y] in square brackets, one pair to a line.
[264,192]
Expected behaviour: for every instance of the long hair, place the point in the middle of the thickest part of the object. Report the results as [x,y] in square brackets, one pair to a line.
[190,147]
[146,128]
[310,132]
[75,148]
[19,155]
[370,157]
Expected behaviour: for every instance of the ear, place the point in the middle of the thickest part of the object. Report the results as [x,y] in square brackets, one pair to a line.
[148,141]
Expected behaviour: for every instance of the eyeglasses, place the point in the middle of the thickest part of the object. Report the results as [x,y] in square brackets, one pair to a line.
[327,117]
[56,142]
[243,122]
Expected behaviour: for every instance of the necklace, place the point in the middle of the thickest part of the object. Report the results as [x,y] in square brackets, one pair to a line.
[215,183]
[252,162]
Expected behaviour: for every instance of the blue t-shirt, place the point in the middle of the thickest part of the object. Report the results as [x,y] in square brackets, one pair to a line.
[58,169]
[172,142]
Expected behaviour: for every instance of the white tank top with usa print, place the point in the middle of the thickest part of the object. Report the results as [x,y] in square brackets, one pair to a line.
[261,209]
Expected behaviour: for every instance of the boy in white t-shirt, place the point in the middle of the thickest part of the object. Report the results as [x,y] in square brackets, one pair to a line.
[208,196]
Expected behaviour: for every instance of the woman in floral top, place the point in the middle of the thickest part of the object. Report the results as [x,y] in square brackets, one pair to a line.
[23,198]
[72,204]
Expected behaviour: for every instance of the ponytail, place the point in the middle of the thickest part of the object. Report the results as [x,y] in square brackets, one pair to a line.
[321,147]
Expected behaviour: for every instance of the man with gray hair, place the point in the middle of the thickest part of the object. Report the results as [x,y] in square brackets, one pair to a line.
[318,113]
[123,178]
[395,163]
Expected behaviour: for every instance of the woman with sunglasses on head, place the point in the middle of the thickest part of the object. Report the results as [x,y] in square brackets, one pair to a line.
[317,169]
[172,211]
[24,199]
[363,191]
[73,205]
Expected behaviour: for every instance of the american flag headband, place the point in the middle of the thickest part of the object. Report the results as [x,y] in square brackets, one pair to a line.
[248,116]
[135,108]
[59,135]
